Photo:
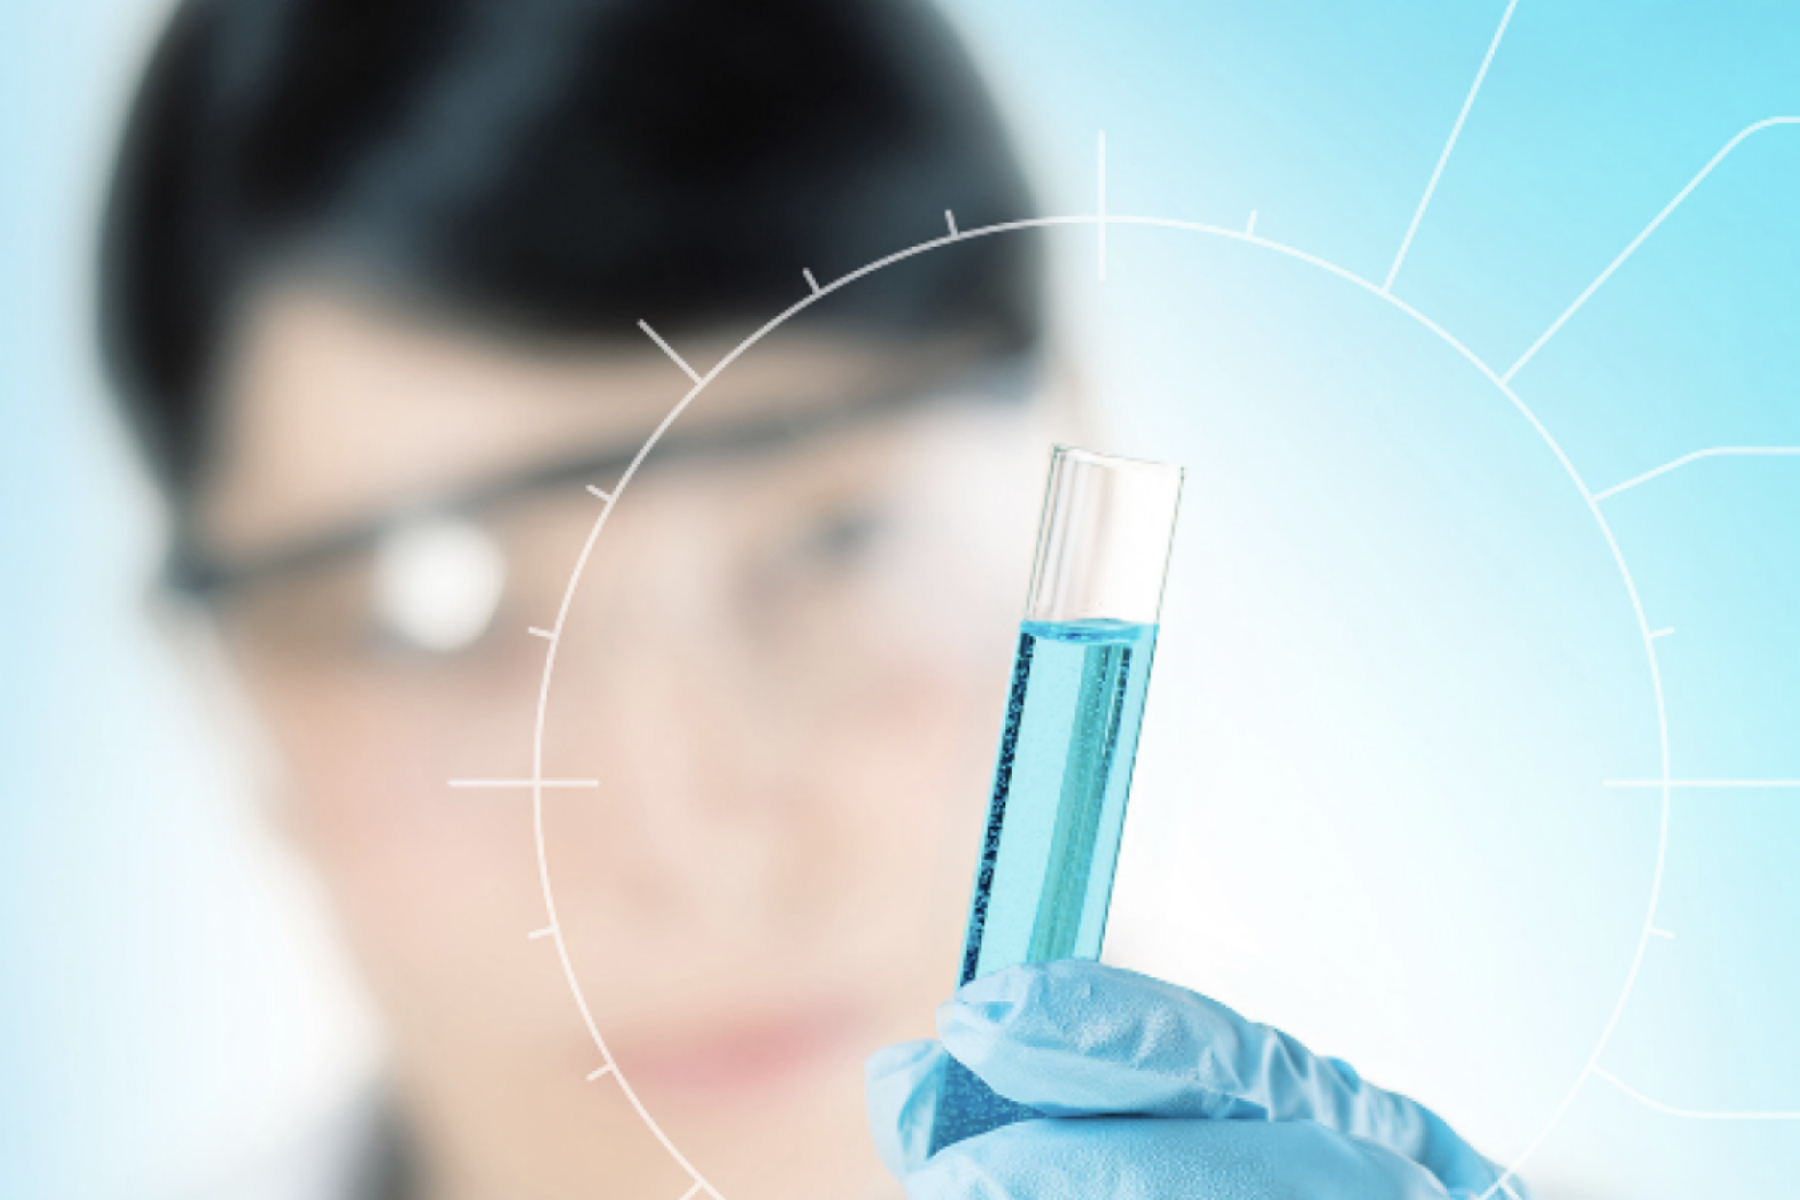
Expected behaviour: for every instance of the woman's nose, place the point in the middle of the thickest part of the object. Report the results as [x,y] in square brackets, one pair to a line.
[702,794]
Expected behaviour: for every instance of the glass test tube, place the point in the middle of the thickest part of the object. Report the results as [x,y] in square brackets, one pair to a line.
[1079,679]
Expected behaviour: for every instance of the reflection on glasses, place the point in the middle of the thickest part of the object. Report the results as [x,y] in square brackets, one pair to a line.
[437,583]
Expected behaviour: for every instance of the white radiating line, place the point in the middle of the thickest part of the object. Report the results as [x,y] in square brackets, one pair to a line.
[1639,239]
[670,351]
[1101,209]
[1658,634]
[1250,226]
[606,496]
[688,1195]
[1691,1114]
[810,281]
[535,934]
[1692,784]
[1455,132]
[524,783]
[603,1071]
[950,220]
[1662,933]
[1696,456]
[534,631]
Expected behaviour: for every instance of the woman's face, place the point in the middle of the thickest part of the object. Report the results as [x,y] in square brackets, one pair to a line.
[783,666]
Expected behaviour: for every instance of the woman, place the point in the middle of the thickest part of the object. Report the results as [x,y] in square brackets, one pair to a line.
[374,278]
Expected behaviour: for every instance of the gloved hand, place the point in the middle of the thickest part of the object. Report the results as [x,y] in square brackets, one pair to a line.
[1153,1093]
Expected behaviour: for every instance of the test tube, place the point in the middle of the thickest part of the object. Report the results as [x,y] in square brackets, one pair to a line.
[1079,679]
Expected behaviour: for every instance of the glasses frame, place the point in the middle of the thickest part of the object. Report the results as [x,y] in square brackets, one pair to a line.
[191,572]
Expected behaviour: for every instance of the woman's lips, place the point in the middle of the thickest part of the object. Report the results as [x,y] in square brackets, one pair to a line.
[735,1055]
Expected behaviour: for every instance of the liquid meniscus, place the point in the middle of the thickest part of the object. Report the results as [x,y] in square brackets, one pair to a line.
[1054,820]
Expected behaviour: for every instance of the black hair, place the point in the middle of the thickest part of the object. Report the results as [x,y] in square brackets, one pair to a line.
[557,167]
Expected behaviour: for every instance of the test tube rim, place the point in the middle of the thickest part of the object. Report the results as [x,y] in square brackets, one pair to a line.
[1070,450]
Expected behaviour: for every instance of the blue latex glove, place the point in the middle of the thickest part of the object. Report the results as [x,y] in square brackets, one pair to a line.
[1153,1093]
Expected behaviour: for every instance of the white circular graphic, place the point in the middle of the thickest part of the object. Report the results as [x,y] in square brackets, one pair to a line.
[1245,238]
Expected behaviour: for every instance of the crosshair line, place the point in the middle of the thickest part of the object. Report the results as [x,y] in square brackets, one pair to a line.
[1455,132]
[950,220]
[670,351]
[606,496]
[810,281]
[524,783]
[1690,1114]
[601,1073]
[1703,784]
[1637,241]
[1696,456]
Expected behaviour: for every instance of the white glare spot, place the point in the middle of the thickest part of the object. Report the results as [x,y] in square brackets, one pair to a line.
[438,582]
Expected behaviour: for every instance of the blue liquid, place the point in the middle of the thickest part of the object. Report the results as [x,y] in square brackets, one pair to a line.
[1054,823]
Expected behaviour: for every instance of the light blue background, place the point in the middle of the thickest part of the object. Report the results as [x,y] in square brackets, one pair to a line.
[151,1008]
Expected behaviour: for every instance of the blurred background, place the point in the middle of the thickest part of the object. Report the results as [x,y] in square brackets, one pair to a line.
[1402,655]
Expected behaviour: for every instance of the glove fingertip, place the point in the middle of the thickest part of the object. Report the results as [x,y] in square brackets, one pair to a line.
[1079,1038]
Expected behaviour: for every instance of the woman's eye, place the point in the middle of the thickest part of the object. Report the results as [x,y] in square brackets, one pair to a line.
[846,535]
[824,549]
[841,537]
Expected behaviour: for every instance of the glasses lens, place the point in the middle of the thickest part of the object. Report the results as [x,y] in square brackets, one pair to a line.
[800,570]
